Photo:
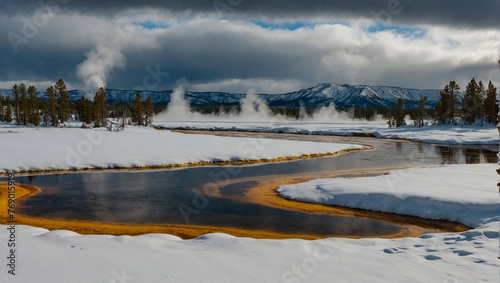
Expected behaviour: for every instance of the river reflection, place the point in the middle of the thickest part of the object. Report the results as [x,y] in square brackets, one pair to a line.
[454,155]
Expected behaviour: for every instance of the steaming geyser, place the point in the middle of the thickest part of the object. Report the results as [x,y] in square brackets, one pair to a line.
[253,109]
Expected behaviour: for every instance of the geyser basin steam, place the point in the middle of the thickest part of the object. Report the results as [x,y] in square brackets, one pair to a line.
[253,109]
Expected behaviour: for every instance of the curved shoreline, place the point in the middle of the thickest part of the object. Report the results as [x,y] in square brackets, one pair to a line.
[180,230]
[263,194]
[352,134]
[186,165]
[24,190]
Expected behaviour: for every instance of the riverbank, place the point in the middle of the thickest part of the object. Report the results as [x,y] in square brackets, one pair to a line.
[21,192]
[460,193]
[441,257]
[263,194]
[75,149]
[436,134]
[436,257]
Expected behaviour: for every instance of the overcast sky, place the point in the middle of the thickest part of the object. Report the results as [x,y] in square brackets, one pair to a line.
[242,45]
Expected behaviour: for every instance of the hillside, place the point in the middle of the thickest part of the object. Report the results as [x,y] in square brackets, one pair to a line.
[343,96]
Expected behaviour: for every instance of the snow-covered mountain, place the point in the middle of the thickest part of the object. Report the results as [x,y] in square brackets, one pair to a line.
[343,96]
[360,96]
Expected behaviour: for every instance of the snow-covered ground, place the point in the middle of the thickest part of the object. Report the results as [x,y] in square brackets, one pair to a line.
[464,193]
[444,134]
[71,147]
[459,193]
[471,256]
[255,115]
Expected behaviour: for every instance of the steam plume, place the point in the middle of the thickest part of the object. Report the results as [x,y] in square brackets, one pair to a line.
[100,62]
[253,109]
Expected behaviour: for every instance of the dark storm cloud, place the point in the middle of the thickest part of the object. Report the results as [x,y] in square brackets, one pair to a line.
[463,13]
[238,55]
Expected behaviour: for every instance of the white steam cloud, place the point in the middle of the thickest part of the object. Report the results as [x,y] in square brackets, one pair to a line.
[108,53]
[178,108]
[253,109]
[100,62]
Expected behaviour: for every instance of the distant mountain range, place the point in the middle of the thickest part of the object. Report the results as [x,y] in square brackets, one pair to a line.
[343,96]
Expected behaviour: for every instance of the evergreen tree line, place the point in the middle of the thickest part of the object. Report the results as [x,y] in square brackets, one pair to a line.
[479,105]
[141,112]
[26,108]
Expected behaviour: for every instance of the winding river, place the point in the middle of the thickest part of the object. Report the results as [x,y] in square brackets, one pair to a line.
[242,197]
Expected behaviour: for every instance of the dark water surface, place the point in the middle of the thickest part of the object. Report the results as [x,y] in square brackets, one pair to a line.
[169,196]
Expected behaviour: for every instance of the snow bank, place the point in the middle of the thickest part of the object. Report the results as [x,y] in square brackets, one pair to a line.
[70,148]
[334,128]
[444,134]
[62,256]
[460,193]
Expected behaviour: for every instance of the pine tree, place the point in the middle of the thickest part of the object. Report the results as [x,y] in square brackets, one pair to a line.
[100,108]
[149,108]
[96,110]
[52,105]
[64,101]
[34,113]
[45,111]
[7,117]
[104,106]
[2,108]
[419,122]
[443,106]
[454,88]
[17,100]
[470,104]
[399,115]
[480,101]
[84,110]
[88,111]
[138,110]
[24,104]
[79,108]
[490,104]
